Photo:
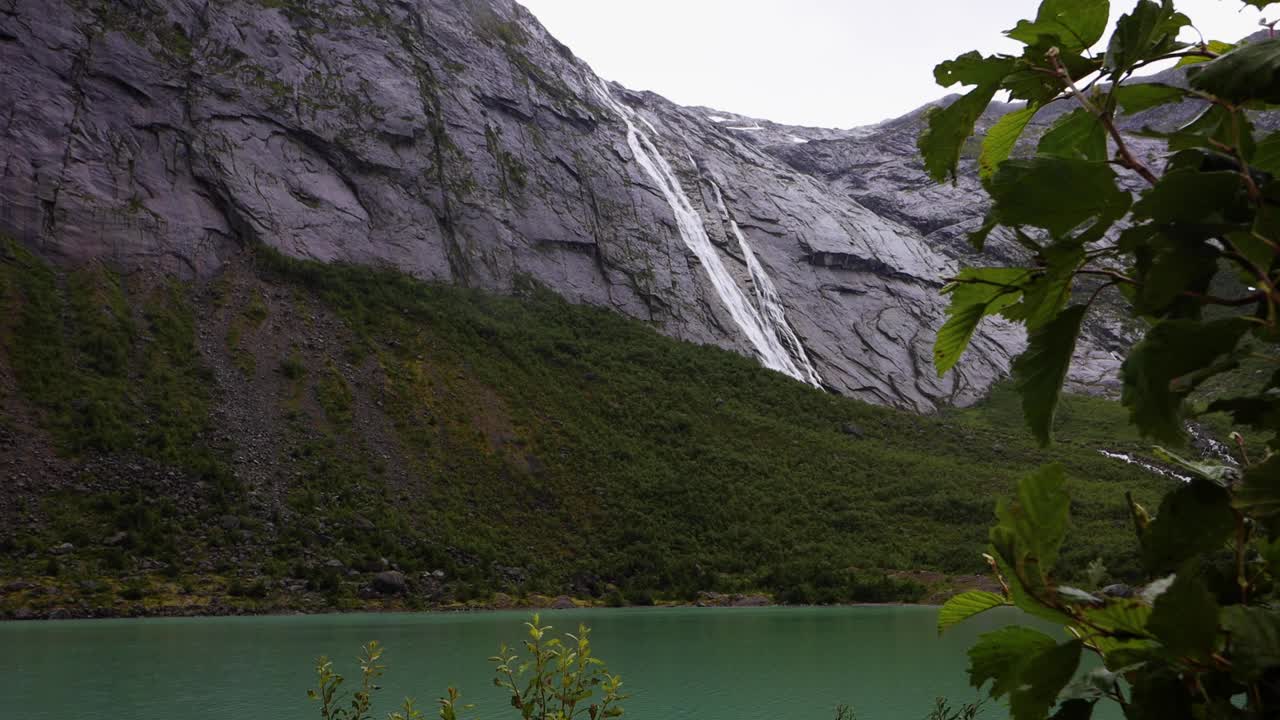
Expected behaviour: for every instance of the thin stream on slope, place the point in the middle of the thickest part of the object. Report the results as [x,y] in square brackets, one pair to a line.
[768,299]
[761,332]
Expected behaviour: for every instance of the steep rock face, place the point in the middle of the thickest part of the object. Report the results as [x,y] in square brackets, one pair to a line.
[457,140]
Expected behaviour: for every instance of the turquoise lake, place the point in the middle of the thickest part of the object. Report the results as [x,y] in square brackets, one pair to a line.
[711,664]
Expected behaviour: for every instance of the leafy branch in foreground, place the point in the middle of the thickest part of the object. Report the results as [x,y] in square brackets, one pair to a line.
[562,680]
[1194,254]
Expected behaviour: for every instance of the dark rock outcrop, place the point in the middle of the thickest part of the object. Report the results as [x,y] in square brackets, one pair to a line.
[390,582]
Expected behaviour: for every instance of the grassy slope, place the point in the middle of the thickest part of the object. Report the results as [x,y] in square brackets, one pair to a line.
[520,445]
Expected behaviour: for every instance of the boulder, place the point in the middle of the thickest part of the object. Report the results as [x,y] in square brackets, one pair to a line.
[564,602]
[390,582]
[1119,590]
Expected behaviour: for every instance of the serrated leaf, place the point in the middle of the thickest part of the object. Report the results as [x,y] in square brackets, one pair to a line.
[1074,25]
[1193,519]
[1266,157]
[1260,413]
[973,68]
[977,293]
[1121,617]
[947,129]
[1033,192]
[1042,678]
[1001,138]
[1136,97]
[1255,640]
[1033,526]
[1159,694]
[999,656]
[1039,372]
[1171,350]
[1212,129]
[1185,618]
[1250,72]
[978,238]
[1045,296]
[1078,135]
[1259,494]
[1214,46]
[1189,196]
[966,605]
[1150,30]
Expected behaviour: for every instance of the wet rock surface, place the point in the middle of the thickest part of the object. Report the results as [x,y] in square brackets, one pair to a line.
[462,143]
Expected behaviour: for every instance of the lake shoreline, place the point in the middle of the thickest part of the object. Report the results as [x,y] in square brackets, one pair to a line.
[223,611]
[34,601]
[168,613]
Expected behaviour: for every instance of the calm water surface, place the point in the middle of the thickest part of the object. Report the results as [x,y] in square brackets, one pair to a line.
[722,664]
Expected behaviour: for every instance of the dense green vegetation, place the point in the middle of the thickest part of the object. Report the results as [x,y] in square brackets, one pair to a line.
[520,445]
[1196,254]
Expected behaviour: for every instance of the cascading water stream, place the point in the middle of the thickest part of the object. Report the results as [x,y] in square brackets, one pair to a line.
[768,300]
[762,332]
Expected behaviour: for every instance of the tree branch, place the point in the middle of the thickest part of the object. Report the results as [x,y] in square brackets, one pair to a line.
[1123,153]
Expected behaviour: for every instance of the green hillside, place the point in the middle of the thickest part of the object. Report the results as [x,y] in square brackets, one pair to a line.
[267,439]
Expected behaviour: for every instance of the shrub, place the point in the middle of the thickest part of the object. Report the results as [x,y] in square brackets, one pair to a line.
[1196,256]
[561,679]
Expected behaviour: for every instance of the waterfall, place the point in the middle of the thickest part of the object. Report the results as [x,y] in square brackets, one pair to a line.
[769,301]
[762,330]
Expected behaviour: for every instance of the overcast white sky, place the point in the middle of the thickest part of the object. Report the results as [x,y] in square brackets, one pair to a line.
[829,63]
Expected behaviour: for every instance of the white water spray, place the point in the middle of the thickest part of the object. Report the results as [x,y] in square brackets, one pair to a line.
[769,301]
[763,334]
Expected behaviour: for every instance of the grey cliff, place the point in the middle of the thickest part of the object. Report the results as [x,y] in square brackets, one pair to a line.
[458,141]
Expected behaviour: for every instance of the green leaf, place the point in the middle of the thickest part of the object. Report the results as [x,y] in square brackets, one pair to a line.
[966,605]
[1213,128]
[1189,196]
[999,656]
[948,128]
[1075,709]
[1078,135]
[1255,640]
[1001,138]
[1259,494]
[1056,194]
[1214,472]
[977,293]
[1149,31]
[1250,72]
[1267,155]
[1213,46]
[1042,678]
[1074,25]
[1136,97]
[1039,372]
[1033,525]
[1171,350]
[1049,291]
[1193,519]
[1121,617]
[1172,262]
[1159,694]
[1185,617]
[973,68]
